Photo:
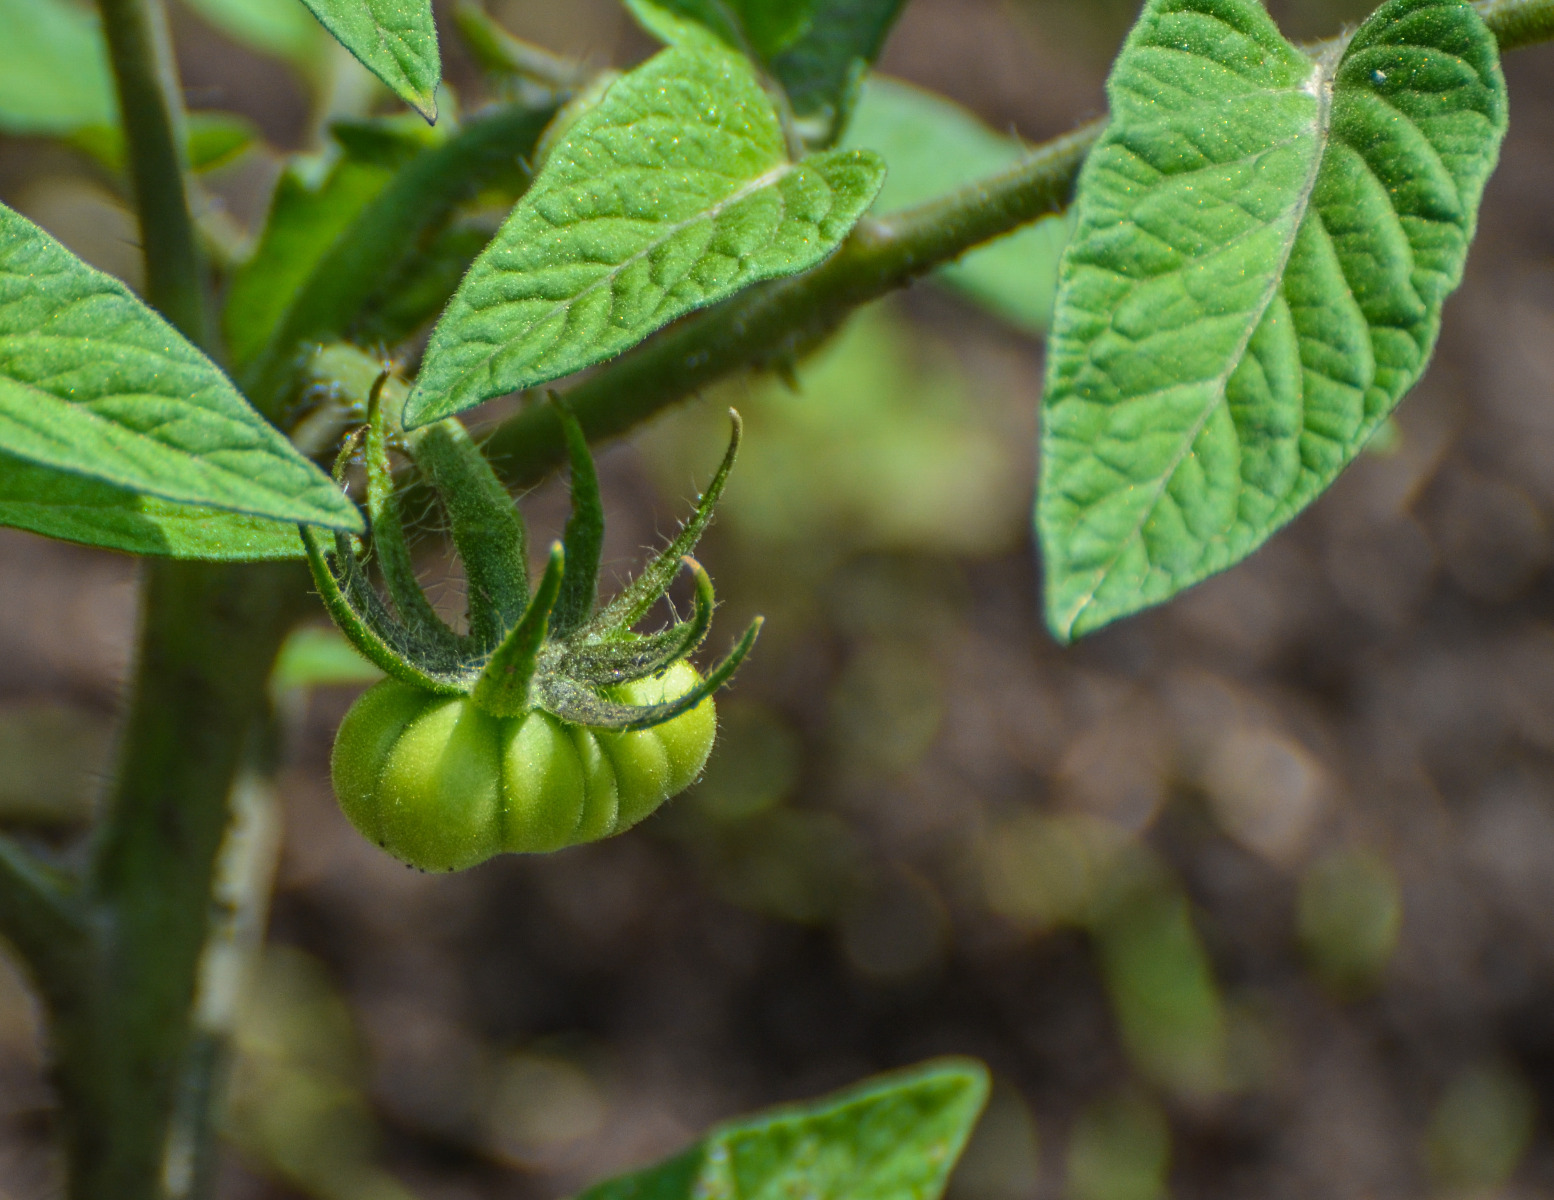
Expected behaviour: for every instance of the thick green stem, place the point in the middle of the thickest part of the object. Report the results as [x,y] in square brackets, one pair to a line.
[149,105]
[208,639]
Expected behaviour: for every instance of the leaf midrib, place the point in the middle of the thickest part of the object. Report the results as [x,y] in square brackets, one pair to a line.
[1319,84]
[765,179]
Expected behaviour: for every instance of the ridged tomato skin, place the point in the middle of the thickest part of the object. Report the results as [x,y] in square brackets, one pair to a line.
[442,785]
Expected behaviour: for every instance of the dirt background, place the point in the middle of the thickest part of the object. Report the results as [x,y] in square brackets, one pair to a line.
[1250,896]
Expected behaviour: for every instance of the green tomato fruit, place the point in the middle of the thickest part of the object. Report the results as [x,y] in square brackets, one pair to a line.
[443,785]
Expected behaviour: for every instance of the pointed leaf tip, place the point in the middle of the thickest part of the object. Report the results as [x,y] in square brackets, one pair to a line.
[1234,323]
[577,272]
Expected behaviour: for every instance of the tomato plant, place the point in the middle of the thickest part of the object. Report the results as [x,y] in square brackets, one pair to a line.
[1260,243]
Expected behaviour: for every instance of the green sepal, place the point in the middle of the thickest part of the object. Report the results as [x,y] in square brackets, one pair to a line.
[638,596]
[486,526]
[388,532]
[603,663]
[503,687]
[571,701]
[584,536]
[374,634]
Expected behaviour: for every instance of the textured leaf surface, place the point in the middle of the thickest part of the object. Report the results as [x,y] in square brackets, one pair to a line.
[77,509]
[1264,244]
[933,146]
[53,69]
[892,1138]
[817,50]
[394,39]
[674,192]
[93,383]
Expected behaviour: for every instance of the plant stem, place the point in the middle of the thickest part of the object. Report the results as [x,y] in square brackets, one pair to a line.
[386,234]
[1518,23]
[772,323]
[141,56]
[208,639]
[39,917]
[768,325]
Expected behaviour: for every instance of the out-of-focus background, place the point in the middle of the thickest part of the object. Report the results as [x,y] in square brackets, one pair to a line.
[1250,896]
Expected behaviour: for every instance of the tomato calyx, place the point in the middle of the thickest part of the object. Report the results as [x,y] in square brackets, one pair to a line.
[554,649]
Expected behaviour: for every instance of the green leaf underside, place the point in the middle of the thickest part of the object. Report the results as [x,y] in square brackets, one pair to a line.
[53,69]
[394,39]
[93,383]
[892,1138]
[1264,244]
[673,193]
[933,146]
[77,509]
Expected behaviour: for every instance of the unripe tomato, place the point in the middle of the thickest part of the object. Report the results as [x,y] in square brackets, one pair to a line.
[443,785]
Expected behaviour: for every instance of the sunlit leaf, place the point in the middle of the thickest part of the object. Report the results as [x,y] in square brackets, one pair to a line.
[394,39]
[53,69]
[1264,244]
[892,1138]
[93,383]
[325,274]
[673,192]
[933,146]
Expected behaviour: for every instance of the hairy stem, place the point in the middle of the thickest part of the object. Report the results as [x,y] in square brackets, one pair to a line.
[209,636]
[768,325]
[1518,23]
[149,105]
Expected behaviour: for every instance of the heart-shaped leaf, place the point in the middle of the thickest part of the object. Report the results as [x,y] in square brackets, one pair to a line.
[675,191]
[1264,244]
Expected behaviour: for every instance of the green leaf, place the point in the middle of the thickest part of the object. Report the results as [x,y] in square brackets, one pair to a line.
[93,383]
[319,656]
[281,28]
[823,70]
[53,69]
[394,39]
[326,271]
[673,193]
[306,218]
[760,29]
[895,1137]
[213,139]
[1264,244]
[77,509]
[817,51]
[933,146]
